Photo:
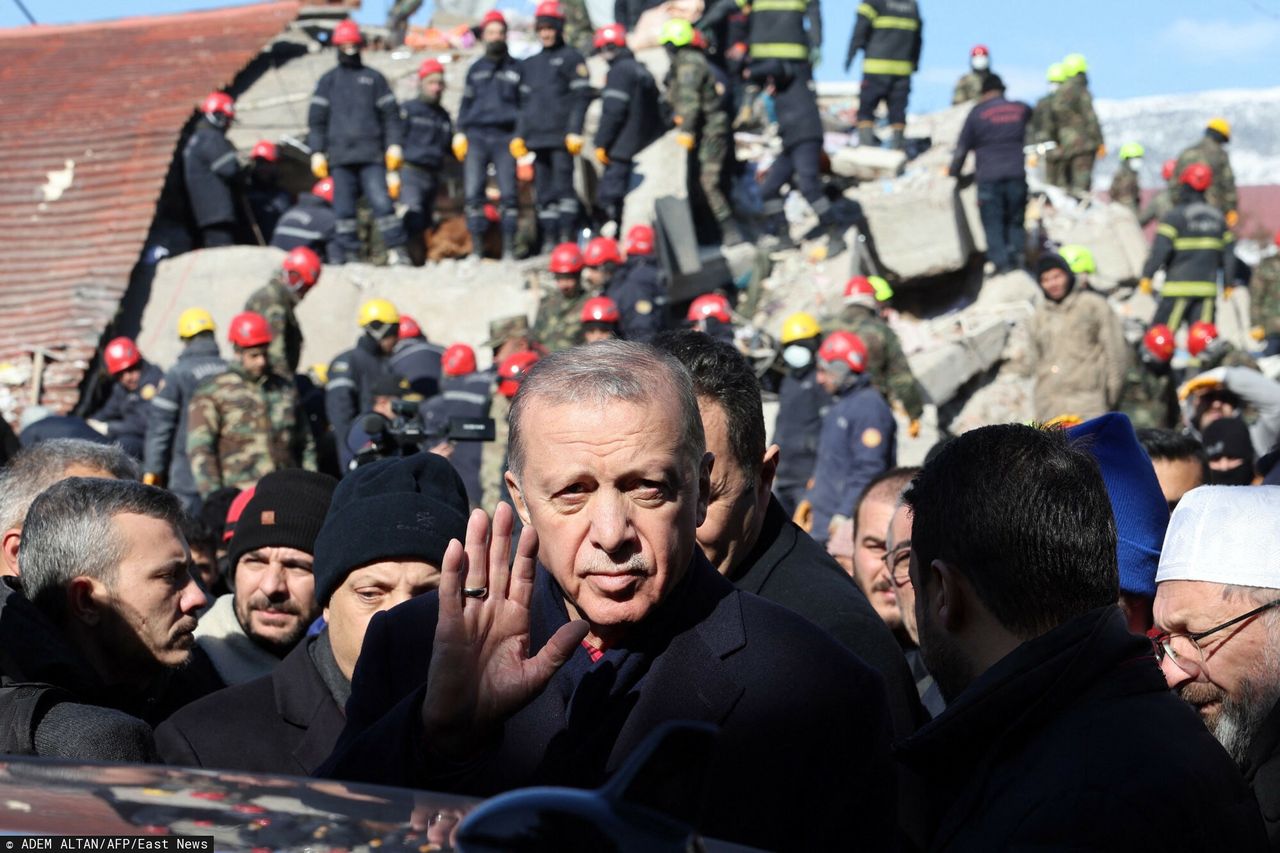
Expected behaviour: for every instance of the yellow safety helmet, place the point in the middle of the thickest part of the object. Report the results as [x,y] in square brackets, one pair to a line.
[1063,421]
[1057,73]
[193,321]
[676,32]
[319,373]
[1074,63]
[799,327]
[1221,125]
[378,311]
[1079,258]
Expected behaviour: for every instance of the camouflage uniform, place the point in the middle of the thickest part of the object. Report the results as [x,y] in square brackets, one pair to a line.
[1150,399]
[240,429]
[968,88]
[696,100]
[1222,192]
[1124,187]
[559,323]
[1042,130]
[578,31]
[887,365]
[1161,203]
[1078,133]
[493,456]
[1264,294]
[276,302]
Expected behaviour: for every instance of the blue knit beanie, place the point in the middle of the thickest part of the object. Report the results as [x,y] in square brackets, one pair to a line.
[1141,512]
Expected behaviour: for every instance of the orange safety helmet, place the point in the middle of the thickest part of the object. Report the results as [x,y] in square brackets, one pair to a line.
[1159,342]
[710,305]
[409,328]
[249,329]
[512,371]
[1200,335]
[301,269]
[600,251]
[566,259]
[640,240]
[324,189]
[1198,176]
[458,360]
[346,32]
[611,35]
[120,355]
[600,309]
[844,348]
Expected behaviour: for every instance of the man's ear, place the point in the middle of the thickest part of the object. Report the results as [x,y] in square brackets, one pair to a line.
[9,543]
[704,485]
[82,601]
[517,499]
[949,592]
[769,468]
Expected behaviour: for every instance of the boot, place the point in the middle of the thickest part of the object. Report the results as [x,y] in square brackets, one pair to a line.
[867,136]
[477,245]
[898,139]
[508,247]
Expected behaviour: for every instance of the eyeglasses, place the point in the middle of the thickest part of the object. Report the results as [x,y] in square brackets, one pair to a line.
[1184,649]
[899,562]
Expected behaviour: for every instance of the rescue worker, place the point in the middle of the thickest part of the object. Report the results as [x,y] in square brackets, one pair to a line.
[795,103]
[635,285]
[559,324]
[277,299]
[355,134]
[1126,186]
[886,364]
[1162,202]
[1078,133]
[134,382]
[1150,395]
[512,345]
[712,314]
[554,94]
[464,393]
[702,124]
[247,421]
[630,119]
[1264,295]
[801,402]
[311,223]
[211,167]
[774,33]
[890,34]
[267,201]
[1042,133]
[352,374]
[600,320]
[1194,247]
[165,462]
[601,259]
[859,436]
[417,359]
[486,129]
[1077,345]
[969,87]
[428,133]
[1211,151]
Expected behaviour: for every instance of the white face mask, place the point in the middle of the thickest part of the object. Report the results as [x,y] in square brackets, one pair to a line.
[797,356]
[1135,163]
[980,63]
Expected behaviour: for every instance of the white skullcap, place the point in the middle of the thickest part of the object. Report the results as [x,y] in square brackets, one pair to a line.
[1224,534]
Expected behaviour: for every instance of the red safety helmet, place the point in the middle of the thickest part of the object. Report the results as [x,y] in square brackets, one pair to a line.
[301,269]
[640,240]
[249,329]
[324,189]
[409,328]
[980,50]
[346,32]
[219,103]
[844,348]
[549,9]
[614,35]
[429,67]
[1200,335]
[566,259]
[493,16]
[1198,176]
[458,360]
[120,355]
[1166,171]
[512,370]
[602,250]
[1277,240]
[1159,342]
[600,309]
[265,150]
[859,286]
[710,305]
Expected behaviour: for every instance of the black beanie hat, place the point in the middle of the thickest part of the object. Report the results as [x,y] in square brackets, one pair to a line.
[1054,261]
[407,507]
[287,510]
[1228,438]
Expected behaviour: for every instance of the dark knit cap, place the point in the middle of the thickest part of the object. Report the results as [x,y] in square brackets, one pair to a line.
[286,511]
[992,83]
[398,508]
[1054,261]
[1228,438]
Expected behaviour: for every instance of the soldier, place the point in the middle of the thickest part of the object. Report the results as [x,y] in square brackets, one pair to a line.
[801,403]
[1126,188]
[600,320]
[1211,151]
[210,166]
[486,127]
[577,25]
[134,382]
[1078,133]
[858,439]
[246,422]
[417,359]
[428,133]
[1264,293]
[311,223]
[352,374]
[1162,202]
[1194,247]
[276,300]
[554,94]
[559,324]
[969,87]
[886,364]
[464,393]
[1041,132]
[630,119]
[1150,395]
[508,336]
[165,461]
[892,35]
[702,125]
[355,133]
[637,288]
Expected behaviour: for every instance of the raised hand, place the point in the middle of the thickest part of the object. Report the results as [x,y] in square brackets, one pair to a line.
[481,672]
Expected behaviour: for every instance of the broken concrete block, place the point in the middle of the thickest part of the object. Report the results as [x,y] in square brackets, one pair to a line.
[1111,232]
[942,370]
[918,225]
[972,217]
[868,163]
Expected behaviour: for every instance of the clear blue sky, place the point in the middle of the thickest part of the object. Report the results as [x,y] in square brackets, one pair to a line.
[1134,47]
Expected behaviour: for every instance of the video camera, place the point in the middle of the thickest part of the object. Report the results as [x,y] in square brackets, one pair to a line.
[412,428]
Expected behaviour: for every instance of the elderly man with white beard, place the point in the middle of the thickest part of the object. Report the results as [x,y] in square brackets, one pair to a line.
[1217,634]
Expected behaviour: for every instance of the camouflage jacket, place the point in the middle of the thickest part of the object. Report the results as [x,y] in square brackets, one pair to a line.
[1041,128]
[1150,399]
[968,88]
[578,31]
[240,429]
[559,323]
[1125,188]
[1264,294]
[1222,192]
[887,365]
[1074,120]
[696,97]
[493,456]
[274,301]
[1161,203]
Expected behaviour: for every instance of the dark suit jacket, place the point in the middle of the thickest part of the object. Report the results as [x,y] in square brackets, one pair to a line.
[286,722]
[789,568]
[802,756]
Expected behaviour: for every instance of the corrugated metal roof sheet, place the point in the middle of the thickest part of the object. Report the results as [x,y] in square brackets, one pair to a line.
[90,116]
